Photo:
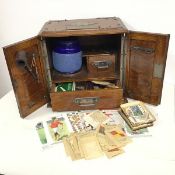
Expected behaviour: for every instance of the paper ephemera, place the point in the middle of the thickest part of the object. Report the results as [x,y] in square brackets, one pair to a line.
[82,145]
[77,121]
[114,118]
[52,131]
[57,128]
[111,146]
[137,113]
[143,132]
[95,118]
[108,140]
[89,145]
[41,133]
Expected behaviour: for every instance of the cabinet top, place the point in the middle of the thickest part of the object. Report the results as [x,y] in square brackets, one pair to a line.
[78,27]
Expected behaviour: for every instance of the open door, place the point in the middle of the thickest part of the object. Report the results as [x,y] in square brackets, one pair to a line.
[145,66]
[26,68]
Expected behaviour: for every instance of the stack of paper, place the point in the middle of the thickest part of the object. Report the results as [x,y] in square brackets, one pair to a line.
[112,139]
[106,139]
[136,115]
[82,145]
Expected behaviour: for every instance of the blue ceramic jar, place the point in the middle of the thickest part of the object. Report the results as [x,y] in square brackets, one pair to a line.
[67,56]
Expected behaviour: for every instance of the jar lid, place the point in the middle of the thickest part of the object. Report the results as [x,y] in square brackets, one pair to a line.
[67,46]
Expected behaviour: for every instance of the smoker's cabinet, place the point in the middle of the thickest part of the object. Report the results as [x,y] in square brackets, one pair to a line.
[135,60]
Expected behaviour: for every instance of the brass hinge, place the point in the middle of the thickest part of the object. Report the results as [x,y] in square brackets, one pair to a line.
[123,60]
[46,64]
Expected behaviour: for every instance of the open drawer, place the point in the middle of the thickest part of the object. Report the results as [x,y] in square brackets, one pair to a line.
[109,98]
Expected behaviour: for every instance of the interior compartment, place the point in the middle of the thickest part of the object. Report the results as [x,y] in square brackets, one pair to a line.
[84,86]
[109,98]
[95,44]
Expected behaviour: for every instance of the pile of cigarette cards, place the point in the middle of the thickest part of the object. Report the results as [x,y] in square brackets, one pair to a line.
[91,134]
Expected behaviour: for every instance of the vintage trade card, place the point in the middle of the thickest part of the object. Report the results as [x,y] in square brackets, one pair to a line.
[113,152]
[133,126]
[66,146]
[95,118]
[117,136]
[41,133]
[137,113]
[98,116]
[89,120]
[104,142]
[77,121]
[89,145]
[143,132]
[74,144]
[110,147]
[68,149]
[71,147]
[114,118]
[57,128]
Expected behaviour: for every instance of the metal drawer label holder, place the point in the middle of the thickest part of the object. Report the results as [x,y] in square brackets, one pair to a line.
[102,64]
[86,101]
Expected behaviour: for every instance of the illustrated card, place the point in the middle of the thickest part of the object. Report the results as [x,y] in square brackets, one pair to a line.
[57,128]
[41,133]
[137,113]
[114,118]
[117,136]
[77,122]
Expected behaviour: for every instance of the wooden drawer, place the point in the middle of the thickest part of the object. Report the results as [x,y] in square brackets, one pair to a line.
[86,99]
[101,63]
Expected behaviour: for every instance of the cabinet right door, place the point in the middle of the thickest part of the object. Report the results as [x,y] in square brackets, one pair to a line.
[145,66]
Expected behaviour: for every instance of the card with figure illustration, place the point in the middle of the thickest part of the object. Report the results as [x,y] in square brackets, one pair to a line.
[57,128]
[77,121]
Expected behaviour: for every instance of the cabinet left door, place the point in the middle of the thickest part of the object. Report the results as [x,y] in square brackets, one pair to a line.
[26,67]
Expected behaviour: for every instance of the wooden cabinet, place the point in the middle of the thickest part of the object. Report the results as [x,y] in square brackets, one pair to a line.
[136,60]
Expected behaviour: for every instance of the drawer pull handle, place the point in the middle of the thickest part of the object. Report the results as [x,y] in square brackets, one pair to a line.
[143,49]
[86,101]
[102,64]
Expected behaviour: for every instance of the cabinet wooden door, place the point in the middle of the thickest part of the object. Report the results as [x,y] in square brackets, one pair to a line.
[26,68]
[145,66]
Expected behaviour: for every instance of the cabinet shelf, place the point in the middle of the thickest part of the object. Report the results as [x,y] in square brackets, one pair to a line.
[82,75]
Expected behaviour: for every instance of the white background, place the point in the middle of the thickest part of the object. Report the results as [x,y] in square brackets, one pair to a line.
[20,19]
[21,153]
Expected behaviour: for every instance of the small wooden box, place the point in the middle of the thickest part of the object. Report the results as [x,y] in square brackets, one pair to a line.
[101,63]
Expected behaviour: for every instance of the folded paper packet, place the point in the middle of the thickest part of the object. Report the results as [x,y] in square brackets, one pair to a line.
[95,118]
[107,140]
